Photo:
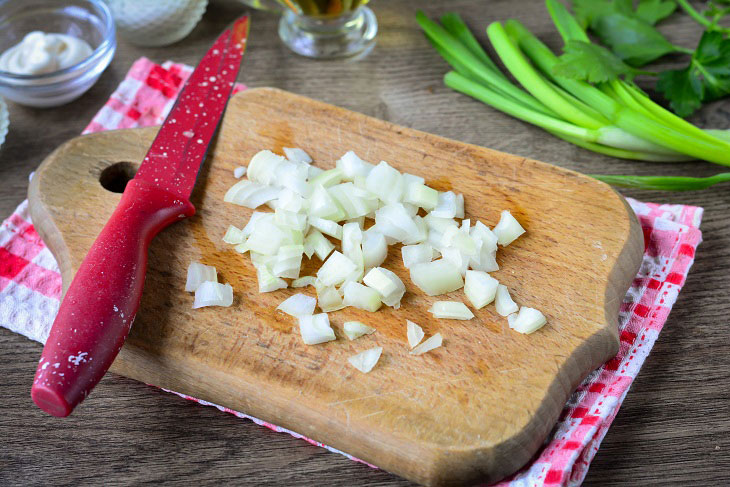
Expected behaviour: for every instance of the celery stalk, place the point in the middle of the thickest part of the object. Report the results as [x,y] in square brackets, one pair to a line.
[665,183]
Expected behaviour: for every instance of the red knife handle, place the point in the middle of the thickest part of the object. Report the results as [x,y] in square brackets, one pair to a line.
[98,309]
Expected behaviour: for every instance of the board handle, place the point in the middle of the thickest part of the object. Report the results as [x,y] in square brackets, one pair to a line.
[100,305]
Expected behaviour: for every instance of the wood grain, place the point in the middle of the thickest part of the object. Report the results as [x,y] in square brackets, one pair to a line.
[474,410]
[673,427]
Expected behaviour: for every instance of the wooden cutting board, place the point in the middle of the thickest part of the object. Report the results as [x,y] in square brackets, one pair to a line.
[474,410]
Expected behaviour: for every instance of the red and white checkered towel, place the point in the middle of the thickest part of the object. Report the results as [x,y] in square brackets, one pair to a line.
[30,287]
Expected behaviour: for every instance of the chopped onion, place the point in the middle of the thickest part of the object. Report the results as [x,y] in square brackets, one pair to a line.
[356,329]
[212,293]
[437,277]
[439,224]
[356,202]
[365,361]
[316,243]
[508,229]
[480,288]
[452,310]
[460,206]
[528,320]
[352,166]
[290,219]
[316,329]
[327,178]
[328,227]
[394,221]
[416,254]
[414,333]
[267,281]
[329,298]
[262,167]
[488,238]
[291,201]
[303,281]
[298,305]
[385,182]
[256,218]
[374,248]
[389,285]
[456,258]
[239,172]
[313,172]
[266,238]
[297,155]
[351,243]
[322,205]
[199,273]
[409,179]
[250,194]
[421,235]
[335,269]
[503,301]
[293,176]
[361,297]
[421,195]
[446,207]
[454,237]
[434,341]
[233,236]
[288,261]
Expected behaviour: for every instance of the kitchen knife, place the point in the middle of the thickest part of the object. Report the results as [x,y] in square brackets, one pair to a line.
[100,305]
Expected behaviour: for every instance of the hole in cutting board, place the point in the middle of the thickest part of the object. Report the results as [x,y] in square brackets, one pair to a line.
[115,177]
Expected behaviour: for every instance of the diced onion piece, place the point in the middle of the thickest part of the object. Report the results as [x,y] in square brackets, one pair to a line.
[421,195]
[267,281]
[199,273]
[374,249]
[459,206]
[412,210]
[352,166]
[508,229]
[262,167]
[454,237]
[447,206]
[437,277]
[316,243]
[456,258]
[488,238]
[290,219]
[414,333]
[409,179]
[212,293]
[241,248]
[452,310]
[250,194]
[335,269]
[303,281]
[361,297]
[327,178]
[394,221]
[297,155]
[293,175]
[389,285]
[503,301]
[313,172]
[434,341]
[356,202]
[291,236]
[416,254]
[266,238]
[439,224]
[421,234]
[322,205]
[291,201]
[328,298]
[356,329]
[298,305]
[233,236]
[352,244]
[316,329]
[365,361]
[256,218]
[527,321]
[288,261]
[261,259]
[480,288]
[385,182]
[328,227]
[239,172]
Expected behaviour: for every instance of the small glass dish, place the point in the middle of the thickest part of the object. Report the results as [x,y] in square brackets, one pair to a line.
[152,23]
[89,20]
[4,121]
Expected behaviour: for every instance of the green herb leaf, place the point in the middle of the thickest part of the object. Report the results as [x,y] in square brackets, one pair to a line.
[632,39]
[683,89]
[587,11]
[590,62]
[652,11]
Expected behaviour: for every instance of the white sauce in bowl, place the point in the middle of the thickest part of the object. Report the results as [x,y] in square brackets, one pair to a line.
[40,53]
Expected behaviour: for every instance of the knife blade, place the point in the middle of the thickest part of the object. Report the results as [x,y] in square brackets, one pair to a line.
[101,303]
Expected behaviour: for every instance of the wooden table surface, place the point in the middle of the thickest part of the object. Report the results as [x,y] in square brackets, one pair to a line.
[673,428]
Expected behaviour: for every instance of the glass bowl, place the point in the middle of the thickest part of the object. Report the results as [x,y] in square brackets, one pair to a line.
[156,22]
[4,121]
[89,20]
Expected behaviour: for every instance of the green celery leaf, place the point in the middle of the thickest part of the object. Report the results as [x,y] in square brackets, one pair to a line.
[683,89]
[632,39]
[652,11]
[586,11]
[590,62]
[711,61]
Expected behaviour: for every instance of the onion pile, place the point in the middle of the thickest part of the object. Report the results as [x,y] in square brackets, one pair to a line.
[311,207]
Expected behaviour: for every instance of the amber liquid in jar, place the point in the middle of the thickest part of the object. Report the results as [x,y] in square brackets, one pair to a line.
[324,8]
